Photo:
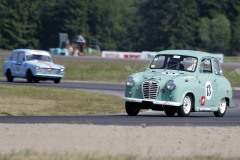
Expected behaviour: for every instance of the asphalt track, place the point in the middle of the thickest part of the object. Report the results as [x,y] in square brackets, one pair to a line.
[147,118]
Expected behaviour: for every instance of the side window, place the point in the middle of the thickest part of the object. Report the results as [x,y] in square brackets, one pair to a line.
[13,56]
[216,66]
[21,56]
[206,66]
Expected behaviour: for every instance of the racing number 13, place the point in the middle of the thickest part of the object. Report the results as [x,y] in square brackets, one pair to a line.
[209,90]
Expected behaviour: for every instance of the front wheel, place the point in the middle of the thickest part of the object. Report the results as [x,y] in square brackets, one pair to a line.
[170,112]
[29,76]
[221,109]
[132,109]
[57,80]
[185,109]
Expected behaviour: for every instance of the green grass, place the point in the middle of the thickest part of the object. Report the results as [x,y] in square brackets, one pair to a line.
[31,155]
[231,60]
[233,75]
[4,51]
[18,100]
[113,72]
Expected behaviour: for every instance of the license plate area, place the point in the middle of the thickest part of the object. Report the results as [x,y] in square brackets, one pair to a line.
[147,104]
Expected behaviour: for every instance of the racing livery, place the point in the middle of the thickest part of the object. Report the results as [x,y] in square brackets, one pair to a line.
[179,81]
[34,65]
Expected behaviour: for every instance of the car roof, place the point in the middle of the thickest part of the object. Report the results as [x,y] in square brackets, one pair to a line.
[33,51]
[197,54]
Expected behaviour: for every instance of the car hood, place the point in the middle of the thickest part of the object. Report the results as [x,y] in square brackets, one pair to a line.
[45,64]
[160,75]
[163,76]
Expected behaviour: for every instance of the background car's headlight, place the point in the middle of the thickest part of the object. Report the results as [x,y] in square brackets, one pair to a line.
[37,68]
[171,85]
[130,81]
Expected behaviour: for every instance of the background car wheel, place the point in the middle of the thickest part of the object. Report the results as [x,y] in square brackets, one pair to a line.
[9,76]
[30,76]
[170,112]
[185,109]
[222,108]
[36,80]
[131,108]
[57,80]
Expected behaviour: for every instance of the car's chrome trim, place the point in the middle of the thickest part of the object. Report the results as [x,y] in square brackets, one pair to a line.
[150,89]
[136,100]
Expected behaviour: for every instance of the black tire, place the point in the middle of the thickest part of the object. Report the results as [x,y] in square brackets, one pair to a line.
[221,109]
[9,76]
[132,109]
[36,80]
[57,80]
[30,77]
[185,109]
[170,112]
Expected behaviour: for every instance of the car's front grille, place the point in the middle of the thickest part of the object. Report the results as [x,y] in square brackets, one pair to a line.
[150,89]
[49,71]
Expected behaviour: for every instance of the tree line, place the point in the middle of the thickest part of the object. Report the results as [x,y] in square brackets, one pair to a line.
[143,25]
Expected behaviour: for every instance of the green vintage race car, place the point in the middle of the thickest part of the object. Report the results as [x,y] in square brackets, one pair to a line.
[179,81]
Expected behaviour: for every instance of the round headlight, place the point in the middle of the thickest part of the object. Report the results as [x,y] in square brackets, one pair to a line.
[130,81]
[171,85]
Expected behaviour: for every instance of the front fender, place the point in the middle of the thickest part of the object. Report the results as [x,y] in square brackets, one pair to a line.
[32,68]
[184,86]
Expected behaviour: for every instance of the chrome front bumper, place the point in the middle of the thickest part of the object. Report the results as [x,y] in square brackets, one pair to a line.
[167,103]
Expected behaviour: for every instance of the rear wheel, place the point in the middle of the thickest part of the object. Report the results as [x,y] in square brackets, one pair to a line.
[170,112]
[132,109]
[185,109]
[9,76]
[222,108]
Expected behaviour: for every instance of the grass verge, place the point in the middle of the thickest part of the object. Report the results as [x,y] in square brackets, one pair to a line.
[18,100]
[30,155]
[232,59]
[103,71]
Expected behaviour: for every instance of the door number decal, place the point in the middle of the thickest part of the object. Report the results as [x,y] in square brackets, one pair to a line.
[208,90]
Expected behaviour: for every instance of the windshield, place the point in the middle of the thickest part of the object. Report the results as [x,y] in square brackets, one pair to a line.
[39,57]
[174,62]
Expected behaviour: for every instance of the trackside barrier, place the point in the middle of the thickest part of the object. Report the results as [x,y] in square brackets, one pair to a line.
[141,55]
[128,55]
[125,55]
[148,54]
[111,54]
